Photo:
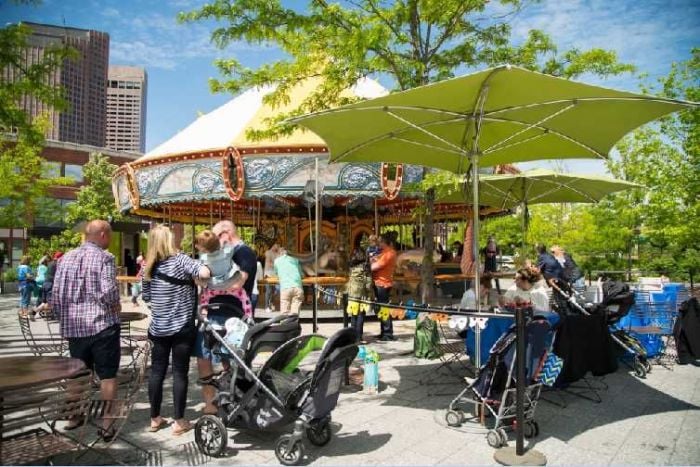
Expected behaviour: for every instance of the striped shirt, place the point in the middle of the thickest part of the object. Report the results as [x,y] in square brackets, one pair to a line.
[171,305]
[85,291]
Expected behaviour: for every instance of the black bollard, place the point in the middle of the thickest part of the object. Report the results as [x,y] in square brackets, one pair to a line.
[520,384]
[314,307]
[519,456]
[344,304]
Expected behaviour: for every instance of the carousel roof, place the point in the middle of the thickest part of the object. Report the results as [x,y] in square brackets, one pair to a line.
[228,125]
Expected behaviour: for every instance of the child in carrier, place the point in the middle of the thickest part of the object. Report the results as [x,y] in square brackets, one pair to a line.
[225,273]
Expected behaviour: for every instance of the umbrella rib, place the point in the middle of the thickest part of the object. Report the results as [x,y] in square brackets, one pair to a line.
[547,130]
[423,130]
[532,125]
[460,153]
[591,99]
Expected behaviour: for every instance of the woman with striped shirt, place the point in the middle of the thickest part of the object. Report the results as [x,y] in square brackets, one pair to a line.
[170,292]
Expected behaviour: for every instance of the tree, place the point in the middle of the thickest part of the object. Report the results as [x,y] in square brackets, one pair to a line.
[95,199]
[410,42]
[665,159]
[21,164]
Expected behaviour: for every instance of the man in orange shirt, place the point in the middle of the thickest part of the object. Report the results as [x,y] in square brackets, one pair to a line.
[383,266]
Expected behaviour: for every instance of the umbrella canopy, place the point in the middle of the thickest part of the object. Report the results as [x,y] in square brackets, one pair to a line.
[503,115]
[540,186]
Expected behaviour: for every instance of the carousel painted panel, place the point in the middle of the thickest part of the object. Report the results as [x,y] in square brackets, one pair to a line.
[199,179]
[120,187]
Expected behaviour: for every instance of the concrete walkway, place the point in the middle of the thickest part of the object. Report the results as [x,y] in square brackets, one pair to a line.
[650,421]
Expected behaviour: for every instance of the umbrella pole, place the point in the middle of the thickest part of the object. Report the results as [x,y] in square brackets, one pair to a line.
[475,252]
[317,235]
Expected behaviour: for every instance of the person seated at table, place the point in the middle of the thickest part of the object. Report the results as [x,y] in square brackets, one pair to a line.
[524,291]
[487,295]
[225,273]
[530,266]
[170,291]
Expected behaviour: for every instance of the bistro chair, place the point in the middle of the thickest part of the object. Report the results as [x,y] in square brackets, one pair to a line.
[50,343]
[110,416]
[28,418]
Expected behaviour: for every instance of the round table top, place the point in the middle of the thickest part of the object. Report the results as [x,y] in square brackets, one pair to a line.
[128,316]
[30,370]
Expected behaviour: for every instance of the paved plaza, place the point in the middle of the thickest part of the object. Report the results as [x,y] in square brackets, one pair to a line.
[650,421]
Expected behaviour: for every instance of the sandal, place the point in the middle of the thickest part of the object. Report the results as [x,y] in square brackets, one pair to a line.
[153,429]
[73,424]
[183,430]
[107,435]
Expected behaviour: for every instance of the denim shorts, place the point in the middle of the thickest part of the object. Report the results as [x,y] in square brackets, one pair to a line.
[200,350]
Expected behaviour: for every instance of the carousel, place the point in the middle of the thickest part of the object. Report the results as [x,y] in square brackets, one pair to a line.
[283,189]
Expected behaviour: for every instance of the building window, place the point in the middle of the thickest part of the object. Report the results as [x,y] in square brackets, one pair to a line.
[75,172]
[50,169]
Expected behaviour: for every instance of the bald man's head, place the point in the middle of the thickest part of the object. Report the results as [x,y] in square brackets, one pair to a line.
[226,232]
[98,232]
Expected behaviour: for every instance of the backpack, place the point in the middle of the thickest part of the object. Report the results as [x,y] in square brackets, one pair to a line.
[425,343]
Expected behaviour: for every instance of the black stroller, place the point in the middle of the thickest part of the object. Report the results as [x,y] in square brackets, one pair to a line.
[281,392]
[493,392]
[617,301]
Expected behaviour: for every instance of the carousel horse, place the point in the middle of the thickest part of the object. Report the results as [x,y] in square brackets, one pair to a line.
[331,261]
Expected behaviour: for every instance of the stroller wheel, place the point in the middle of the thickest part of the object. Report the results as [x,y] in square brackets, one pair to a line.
[288,450]
[210,435]
[530,429]
[319,434]
[639,369]
[454,417]
[647,366]
[494,439]
[503,435]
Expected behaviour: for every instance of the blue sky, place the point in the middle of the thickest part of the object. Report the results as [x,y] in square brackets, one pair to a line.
[650,34]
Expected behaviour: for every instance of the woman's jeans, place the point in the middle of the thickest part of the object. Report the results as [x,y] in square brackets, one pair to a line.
[25,295]
[180,344]
[387,327]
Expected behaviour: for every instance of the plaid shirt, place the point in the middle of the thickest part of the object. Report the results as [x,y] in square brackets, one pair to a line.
[85,291]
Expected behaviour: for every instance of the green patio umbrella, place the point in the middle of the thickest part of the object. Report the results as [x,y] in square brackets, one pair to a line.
[538,186]
[497,116]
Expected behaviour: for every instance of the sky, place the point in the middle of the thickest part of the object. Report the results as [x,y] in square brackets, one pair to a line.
[179,58]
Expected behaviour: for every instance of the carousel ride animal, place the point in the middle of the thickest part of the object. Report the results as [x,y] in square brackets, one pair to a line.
[332,260]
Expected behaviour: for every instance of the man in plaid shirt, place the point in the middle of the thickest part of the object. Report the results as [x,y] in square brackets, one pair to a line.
[86,299]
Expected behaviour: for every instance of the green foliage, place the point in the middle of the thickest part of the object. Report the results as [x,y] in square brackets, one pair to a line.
[506,230]
[20,155]
[186,244]
[412,42]
[95,199]
[63,242]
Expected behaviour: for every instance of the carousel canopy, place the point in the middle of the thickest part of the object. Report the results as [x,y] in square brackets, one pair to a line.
[228,125]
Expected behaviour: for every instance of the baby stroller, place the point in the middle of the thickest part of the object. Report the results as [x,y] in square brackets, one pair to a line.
[617,301]
[281,392]
[493,392]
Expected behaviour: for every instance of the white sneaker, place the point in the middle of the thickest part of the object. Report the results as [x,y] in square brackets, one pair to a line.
[268,310]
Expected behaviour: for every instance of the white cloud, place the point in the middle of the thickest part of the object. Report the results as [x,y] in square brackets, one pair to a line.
[157,40]
[649,34]
[111,13]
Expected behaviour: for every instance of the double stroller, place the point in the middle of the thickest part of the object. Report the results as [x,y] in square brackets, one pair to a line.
[289,387]
[616,303]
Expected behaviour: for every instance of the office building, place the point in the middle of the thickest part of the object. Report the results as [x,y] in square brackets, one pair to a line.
[126,109]
[82,78]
